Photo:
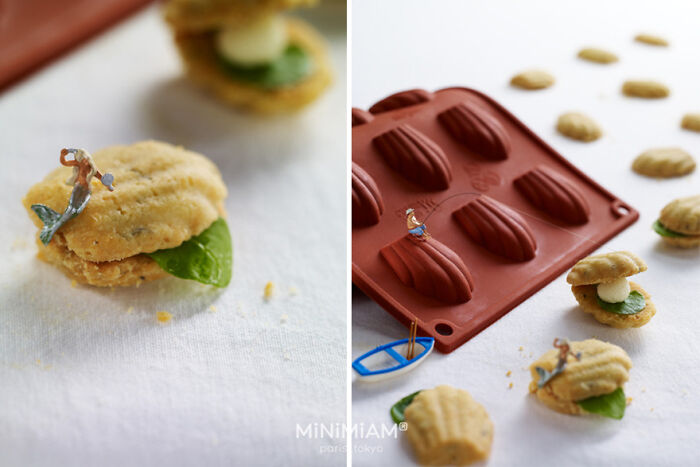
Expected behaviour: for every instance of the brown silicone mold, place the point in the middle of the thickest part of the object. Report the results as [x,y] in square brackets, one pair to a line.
[33,32]
[507,214]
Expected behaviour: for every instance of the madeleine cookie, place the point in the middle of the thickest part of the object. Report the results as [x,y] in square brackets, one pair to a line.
[588,371]
[578,126]
[679,222]
[198,15]
[600,286]
[267,91]
[446,426]
[646,89]
[664,163]
[532,79]
[597,55]
[164,196]
[691,122]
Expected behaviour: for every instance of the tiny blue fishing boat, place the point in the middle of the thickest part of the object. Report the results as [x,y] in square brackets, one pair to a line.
[382,367]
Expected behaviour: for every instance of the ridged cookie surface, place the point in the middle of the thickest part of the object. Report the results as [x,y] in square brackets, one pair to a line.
[664,163]
[586,296]
[691,122]
[682,215]
[593,54]
[163,196]
[446,426]
[646,89]
[603,368]
[198,15]
[532,79]
[124,273]
[605,267]
[198,52]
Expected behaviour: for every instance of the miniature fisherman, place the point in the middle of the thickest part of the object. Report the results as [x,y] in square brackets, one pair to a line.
[415,228]
[84,169]
[564,352]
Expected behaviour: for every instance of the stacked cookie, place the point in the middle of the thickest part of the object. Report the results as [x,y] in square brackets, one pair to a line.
[249,54]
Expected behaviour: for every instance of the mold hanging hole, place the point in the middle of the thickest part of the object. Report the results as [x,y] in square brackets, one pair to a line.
[444,329]
[620,209]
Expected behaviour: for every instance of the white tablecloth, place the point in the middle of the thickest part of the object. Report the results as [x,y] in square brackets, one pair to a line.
[88,376]
[403,44]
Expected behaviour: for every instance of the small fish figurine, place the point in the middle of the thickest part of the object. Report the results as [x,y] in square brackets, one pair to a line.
[84,168]
[415,228]
[564,352]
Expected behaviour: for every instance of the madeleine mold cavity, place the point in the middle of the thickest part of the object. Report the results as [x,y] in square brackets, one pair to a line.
[505,213]
[431,268]
[480,132]
[497,228]
[400,100]
[554,194]
[415,156]
[367,204]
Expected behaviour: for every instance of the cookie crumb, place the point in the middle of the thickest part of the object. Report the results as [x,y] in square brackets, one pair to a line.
[130,310]
[283,318]
[73,283]
[651,409]
[510,386]
[520,348]
[293,291]
[212,308]
[163,316]
[287,356]
[629,400]
[269,290]
[509,373]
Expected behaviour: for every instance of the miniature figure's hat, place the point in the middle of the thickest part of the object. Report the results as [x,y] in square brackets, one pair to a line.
[409,211]
[606,267]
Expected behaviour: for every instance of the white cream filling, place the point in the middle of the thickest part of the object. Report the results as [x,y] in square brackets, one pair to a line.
[614,292]
[257,43]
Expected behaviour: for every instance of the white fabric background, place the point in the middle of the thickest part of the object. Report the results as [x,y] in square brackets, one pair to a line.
[403,44]
[85,382]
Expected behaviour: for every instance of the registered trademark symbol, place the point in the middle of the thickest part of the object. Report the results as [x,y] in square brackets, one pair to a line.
[403,426]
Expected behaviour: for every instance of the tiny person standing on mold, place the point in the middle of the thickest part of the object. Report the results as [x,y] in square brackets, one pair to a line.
[415,228]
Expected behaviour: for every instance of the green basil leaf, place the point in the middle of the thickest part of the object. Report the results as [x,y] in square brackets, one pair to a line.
[206,258]
[293,65]
[399,408]
[664,232]
[634,303]
[608,405]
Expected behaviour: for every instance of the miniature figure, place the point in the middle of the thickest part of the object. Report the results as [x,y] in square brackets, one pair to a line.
[564,352]
[415,228]
[84,169]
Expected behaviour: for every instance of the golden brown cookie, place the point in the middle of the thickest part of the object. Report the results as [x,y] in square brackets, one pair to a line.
[532,79]
[586,296]
[602,369]
[646,89]
[651,39]
[446,426]
[200,15]
[203,66]
[163,196]
[605,267]
[125,272]
[593,54]
[578,126]
[682,215]
[664,163]
[691,122]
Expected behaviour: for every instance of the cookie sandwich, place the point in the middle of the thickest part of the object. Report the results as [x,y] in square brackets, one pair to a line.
[679,222]
[585,377]
[249,53]
[601,288]
[160,211]
[445,426]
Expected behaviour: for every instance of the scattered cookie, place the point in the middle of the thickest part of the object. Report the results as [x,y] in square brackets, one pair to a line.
[691,122]
[593,54]
[650,39]
[582,377]
[249,54]
[578,126]
[532,79]
[164,199]
[646,89]
[679,222]
[600,285]
[446,426]
[664,163]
